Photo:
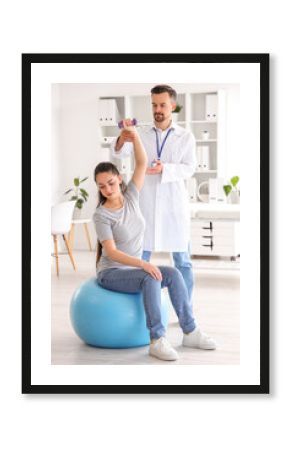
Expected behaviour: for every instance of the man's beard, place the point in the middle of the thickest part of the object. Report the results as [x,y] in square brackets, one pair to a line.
[159,117]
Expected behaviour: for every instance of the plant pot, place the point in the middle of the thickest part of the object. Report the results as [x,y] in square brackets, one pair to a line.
[234,198]
[77,213]
[175,117]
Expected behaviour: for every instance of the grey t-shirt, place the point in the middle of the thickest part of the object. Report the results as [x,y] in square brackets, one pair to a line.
[125,225]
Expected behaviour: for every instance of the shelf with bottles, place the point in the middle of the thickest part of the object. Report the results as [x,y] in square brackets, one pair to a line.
[204,131]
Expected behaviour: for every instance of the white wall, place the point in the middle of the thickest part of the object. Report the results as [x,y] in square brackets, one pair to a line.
[76,153]
[55,139]
[75,135]
[233,131]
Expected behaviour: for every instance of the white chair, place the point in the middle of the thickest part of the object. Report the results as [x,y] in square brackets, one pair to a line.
[61,219]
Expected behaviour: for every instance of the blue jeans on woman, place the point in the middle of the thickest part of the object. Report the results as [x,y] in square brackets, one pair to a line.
[182,262]
[135,280]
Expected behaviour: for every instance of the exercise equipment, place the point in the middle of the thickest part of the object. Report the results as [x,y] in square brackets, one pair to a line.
[132,124]
[110,319]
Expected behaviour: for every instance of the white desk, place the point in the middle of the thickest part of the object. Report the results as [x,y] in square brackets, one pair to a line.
[83,222]
[215,211]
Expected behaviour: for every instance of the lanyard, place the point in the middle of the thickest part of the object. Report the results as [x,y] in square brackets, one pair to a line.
[158,148]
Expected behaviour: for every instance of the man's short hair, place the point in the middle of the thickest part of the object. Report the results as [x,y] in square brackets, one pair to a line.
[160,88]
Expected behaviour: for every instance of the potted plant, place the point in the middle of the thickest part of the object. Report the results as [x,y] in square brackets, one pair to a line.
[232,191]
[80,196]
[176,111]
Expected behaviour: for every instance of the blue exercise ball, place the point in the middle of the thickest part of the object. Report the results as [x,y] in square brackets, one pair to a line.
[110,319]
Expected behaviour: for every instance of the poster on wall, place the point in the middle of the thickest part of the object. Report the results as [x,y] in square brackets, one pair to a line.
[145,184]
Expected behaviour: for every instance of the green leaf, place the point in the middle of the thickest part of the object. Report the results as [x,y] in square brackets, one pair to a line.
[84,179]
[74,197]
[235,180]
[76,181]
[227,189]
[67,192]
[178,108]
[84,192]
[79,203]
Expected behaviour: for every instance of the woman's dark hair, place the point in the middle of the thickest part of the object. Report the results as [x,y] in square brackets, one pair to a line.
[101,168]
[160,88]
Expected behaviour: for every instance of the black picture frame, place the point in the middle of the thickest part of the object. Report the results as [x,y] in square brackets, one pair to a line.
[263,61]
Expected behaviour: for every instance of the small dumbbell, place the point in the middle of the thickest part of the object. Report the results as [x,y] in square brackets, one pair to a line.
[133,123]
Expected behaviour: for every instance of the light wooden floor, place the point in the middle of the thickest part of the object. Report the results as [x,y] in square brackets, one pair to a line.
[216,308]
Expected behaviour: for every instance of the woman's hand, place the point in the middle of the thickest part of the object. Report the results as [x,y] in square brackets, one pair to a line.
[125,136]
[127,124]
[129,133]
[152,270]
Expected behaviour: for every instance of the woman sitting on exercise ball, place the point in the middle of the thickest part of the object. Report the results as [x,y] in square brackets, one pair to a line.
[120,228]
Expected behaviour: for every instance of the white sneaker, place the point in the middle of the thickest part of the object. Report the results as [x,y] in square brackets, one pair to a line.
[198,339]
[162,349]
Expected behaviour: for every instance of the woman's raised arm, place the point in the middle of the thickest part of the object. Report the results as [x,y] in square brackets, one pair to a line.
[141,160]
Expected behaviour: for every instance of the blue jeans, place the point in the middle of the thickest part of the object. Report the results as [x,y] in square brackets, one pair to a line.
[136,280]
[182,262]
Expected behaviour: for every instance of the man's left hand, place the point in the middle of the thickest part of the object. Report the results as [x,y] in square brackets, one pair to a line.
[155,170]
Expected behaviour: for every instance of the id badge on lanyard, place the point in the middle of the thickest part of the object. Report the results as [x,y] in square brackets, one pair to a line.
[158,148]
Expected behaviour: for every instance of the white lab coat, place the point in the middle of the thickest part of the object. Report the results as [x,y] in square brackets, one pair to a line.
[164,199]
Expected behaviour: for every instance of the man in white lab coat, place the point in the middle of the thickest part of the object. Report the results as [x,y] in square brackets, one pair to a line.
[164,200]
